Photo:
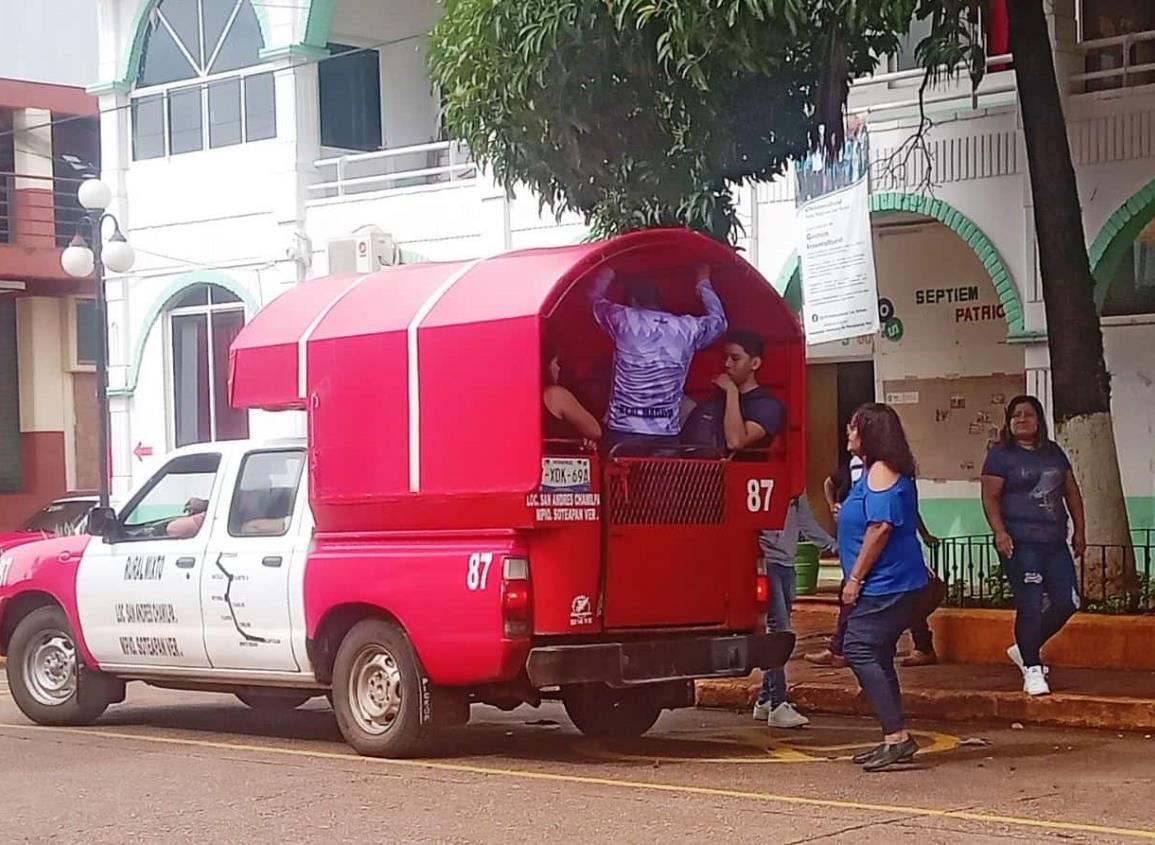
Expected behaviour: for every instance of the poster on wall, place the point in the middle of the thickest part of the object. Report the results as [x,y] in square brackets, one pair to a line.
[839,287]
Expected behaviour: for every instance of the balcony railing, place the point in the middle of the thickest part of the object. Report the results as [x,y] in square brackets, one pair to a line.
[1118,62]
[423,165]
[5,208]
[949,95]
[38,223]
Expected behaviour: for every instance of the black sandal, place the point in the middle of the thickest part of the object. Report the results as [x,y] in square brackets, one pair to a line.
[862,756]
[891,754]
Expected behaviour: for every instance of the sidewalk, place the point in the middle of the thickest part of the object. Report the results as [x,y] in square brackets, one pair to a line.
[1108,699]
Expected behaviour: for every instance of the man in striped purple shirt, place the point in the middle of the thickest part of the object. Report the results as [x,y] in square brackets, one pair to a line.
[652,354]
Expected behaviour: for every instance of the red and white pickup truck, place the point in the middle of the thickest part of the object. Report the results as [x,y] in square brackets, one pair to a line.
[426,548]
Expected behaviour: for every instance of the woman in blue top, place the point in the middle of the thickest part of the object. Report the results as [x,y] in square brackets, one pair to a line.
[1028,489]
[884,569]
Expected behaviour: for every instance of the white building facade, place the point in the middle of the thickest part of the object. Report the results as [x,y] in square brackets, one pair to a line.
[242,139]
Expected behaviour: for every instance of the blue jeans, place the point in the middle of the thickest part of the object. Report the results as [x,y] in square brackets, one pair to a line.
[1035,570]
[782,590]
[873,627]
[624,444]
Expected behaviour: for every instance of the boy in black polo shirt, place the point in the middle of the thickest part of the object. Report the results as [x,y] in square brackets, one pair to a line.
[741,414]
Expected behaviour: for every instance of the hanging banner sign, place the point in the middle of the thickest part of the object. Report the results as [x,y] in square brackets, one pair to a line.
[839,288]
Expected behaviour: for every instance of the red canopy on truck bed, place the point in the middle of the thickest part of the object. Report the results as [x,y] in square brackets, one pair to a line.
[427,378]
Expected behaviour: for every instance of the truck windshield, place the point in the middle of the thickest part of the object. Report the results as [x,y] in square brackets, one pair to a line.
[60,518]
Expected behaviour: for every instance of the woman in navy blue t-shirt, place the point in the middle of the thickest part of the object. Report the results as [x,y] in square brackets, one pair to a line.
[884,569]
[1028,492]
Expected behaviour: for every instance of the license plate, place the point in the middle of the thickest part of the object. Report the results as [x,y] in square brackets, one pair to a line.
[570,474]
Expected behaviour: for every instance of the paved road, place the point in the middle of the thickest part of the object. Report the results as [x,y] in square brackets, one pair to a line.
[199,768]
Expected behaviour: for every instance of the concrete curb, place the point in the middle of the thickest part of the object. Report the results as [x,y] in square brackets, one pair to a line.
[1058,710]
[980,636]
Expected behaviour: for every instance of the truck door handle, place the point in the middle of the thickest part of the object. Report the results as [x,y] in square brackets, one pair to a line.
[273,561]
[186,562]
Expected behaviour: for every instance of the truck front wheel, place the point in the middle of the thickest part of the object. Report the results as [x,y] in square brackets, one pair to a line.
[377,691]
[42,672]
[602,711]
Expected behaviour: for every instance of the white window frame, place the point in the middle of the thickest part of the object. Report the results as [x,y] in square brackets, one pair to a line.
[163,90]
[203,82]
[207,312]
[72,351]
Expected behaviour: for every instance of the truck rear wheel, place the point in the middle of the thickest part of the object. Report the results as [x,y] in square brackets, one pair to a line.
[42,672]
[276,700]
[602,711]
[377,691]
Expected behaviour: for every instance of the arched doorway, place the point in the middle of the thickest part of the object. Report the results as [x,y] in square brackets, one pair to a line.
[948,361]
[1123,258]
[200,324]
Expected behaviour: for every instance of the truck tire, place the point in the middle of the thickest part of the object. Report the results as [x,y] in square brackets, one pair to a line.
[280,701]
[377,685]
[602,711]
[42,672]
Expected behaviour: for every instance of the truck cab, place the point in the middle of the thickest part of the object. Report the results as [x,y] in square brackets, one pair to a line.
[427,547]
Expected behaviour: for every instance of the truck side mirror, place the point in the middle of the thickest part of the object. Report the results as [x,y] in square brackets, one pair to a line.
[102,522]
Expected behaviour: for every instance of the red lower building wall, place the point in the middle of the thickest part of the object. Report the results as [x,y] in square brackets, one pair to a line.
[45,479]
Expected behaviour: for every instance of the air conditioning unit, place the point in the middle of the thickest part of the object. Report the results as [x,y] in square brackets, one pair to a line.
[363,252]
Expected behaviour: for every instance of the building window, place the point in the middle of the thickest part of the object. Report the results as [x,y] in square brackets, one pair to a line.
[1132,290]
[260,107]
[86,332]
[148,127]
[185,127]
[225,113]
[203,321]
[215,44]
[350,99]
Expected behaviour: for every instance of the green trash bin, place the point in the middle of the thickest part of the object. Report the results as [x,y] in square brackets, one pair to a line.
[806,569]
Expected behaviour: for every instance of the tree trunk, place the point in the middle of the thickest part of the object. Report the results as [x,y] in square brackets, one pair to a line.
[1080,384]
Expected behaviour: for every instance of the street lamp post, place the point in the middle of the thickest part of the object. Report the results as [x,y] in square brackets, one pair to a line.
[80,261]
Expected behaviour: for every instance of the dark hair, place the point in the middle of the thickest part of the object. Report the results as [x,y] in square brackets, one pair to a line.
[643,293]
[883,438]
[1042,437]
[750,341]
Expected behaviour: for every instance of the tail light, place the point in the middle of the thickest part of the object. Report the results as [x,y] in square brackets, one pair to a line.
[516,597]
[761,586]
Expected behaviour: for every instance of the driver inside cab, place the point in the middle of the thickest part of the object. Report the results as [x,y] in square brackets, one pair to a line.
[188,525]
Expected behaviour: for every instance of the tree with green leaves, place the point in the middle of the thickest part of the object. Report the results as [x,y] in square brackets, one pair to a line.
[648,112]
[637,113]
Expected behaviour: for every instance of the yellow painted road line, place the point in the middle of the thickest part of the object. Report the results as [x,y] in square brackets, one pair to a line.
[760,749]
[614,783]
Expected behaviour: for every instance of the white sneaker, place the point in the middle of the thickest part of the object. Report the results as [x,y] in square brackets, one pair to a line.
[1035,681]
[1016,657]
[785,716]
[761,711]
